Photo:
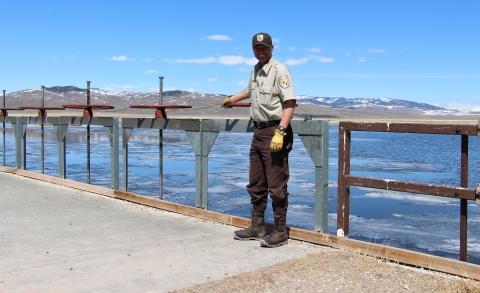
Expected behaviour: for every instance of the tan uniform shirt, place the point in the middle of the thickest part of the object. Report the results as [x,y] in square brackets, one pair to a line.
[269,87]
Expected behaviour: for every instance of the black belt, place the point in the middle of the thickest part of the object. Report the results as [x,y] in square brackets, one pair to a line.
[266,124]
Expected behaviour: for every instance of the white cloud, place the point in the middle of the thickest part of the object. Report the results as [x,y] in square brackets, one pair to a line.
[119,87]
[211,79]
[71,56]
[464,107]
[119,58]
[234,60]
[305,59]
[148,59]
[150,71]
[242,83]
[325,59]
[275,40]
[292,48]
[361,59]
[315,50]
[219,38]
[376,51]
[190,90]
[296,61]
[169,89]
[225,60]
[53,57]
[347,54]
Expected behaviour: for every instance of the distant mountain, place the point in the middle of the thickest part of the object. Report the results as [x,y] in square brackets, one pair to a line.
[209,104]
[365,103]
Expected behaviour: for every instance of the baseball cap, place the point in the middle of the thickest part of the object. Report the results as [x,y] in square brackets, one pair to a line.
[262,39]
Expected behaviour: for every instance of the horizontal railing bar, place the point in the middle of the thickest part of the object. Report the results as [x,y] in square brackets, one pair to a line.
[430,189]
[459,129]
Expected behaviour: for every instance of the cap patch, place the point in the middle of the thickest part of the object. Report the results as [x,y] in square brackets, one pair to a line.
[284,82]
[259,38]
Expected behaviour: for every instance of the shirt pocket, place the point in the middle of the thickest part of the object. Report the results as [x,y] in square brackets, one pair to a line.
[265,95]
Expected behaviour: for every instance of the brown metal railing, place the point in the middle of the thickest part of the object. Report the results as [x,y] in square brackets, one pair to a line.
[345,180]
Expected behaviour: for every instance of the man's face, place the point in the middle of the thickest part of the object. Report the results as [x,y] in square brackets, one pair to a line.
[262,53]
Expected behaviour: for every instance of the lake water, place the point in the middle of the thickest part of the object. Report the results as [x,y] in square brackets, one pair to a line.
[423,223]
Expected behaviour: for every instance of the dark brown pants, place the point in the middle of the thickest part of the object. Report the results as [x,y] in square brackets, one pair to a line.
[269,171]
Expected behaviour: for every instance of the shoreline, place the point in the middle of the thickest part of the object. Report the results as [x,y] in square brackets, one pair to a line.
[351,116]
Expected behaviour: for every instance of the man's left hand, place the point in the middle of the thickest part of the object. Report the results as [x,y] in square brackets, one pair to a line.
[277,141]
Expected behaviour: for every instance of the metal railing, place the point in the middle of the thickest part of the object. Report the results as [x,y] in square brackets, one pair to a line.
[345,180]
[201,133]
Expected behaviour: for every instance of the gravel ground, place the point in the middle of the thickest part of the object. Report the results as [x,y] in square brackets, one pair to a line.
[332,270]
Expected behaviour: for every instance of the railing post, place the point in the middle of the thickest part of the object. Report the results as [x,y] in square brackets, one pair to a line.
[464,202]
[112,135]
[126,133]
[317,147]
[202,142]
[60,131]
[343,201]
[20,143]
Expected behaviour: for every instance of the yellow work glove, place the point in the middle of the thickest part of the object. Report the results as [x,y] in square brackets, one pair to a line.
[226,101]
[277,141]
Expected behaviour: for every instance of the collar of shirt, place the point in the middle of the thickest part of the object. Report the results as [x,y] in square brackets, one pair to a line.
[266,67]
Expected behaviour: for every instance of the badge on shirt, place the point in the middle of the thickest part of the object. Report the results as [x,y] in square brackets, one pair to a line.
[283,82]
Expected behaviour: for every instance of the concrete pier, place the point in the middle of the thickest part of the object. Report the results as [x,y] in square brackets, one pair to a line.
[58,239]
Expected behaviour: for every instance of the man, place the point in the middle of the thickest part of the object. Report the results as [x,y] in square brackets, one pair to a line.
[273,101]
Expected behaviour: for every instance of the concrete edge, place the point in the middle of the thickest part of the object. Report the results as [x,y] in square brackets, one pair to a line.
[397,255]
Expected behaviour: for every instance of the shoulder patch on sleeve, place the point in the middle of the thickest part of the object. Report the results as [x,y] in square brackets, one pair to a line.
[284,82]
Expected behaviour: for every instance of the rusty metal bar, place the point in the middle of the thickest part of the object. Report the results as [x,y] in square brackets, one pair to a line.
[411,128]
[42,104]
[160,142]
[463,202]
[3,131]
[421,188]
[343,200]
[88,136]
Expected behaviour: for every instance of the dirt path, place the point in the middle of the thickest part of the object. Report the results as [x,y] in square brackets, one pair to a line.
[331,270]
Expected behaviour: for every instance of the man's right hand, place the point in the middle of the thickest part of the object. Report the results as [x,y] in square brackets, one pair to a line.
[227,101]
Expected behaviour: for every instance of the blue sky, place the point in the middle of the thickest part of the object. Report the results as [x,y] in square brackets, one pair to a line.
[422,50]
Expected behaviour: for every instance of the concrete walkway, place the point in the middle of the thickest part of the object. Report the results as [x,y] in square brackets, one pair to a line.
[57,239]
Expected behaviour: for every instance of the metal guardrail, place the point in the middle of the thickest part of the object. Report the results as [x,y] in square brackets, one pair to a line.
[60,125]
[201,133]
[345,180]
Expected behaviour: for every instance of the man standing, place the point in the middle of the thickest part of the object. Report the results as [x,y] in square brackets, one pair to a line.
[273,102]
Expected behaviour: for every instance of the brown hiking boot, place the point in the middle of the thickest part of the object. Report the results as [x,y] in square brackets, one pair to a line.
[256,231]
[279,235]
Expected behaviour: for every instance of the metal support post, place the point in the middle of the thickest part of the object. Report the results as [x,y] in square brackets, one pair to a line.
[160,145]
[3,124]
[112,135]
[88,136]
[43,132]
[317,148]
[126,133]
[343,204]
[202,142]
[20,143]
[464,202]
[61,130]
